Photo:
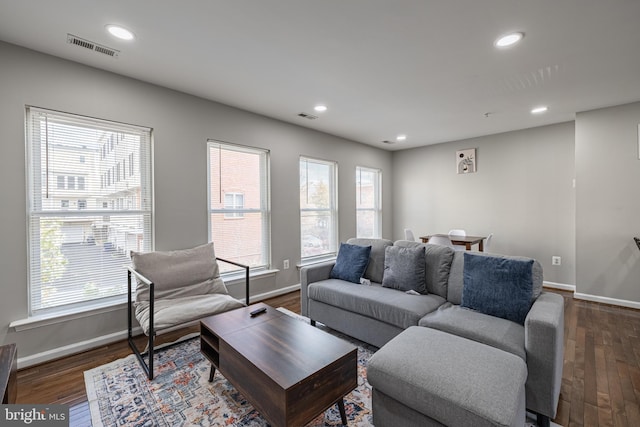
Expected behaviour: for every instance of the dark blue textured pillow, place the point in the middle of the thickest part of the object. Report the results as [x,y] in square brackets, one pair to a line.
[497,286]
[351,263]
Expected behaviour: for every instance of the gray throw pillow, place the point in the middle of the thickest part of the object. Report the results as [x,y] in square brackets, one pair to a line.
[404,269]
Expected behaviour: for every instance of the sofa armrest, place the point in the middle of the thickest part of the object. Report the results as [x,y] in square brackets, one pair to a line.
[308,275]
[544,344]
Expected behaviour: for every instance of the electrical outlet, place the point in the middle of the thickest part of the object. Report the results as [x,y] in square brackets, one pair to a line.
[556,260]
[286,264]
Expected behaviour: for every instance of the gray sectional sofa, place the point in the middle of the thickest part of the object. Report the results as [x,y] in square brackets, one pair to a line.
[376,314]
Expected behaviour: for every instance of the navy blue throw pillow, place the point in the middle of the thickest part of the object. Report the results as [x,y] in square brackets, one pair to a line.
[498,286]
[351,263]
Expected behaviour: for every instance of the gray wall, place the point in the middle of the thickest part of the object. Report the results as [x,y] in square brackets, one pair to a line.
[522,192]
[608,203]
[182,124]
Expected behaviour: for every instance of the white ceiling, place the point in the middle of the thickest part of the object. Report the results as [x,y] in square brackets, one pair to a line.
[425,68]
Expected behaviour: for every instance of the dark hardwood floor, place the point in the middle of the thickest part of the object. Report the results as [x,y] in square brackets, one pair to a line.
[600,384]
[601,375]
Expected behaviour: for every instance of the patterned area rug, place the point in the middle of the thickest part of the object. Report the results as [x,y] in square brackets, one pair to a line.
[180,394]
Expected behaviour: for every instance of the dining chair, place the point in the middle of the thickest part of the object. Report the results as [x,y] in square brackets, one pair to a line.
[487,242]
[408,235]
[458,232]
[440,240]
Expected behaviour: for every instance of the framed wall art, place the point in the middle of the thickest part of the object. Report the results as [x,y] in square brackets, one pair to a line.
[466,160]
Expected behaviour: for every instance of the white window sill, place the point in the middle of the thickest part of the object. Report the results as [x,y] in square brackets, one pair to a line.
[110,306]
[317,260]
[238,277]
[65,316]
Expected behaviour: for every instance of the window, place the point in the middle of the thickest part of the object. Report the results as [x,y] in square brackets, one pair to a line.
[76,256]
[239,188]
[368,203]
[318,208]
[233,202]
[61,182]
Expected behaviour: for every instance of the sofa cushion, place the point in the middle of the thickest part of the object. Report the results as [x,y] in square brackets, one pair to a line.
[387,305]
[351,262]
[407,243]
[456,275]
[437,265]
[404,269]
[178,273]
[490,330]
[375,269]
[498,286]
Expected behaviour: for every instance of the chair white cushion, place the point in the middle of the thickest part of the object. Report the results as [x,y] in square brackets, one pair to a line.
[172,312]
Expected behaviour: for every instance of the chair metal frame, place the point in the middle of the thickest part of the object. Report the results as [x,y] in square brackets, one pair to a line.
[148,368]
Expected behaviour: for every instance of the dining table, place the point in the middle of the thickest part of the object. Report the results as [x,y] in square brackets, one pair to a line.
[466,241]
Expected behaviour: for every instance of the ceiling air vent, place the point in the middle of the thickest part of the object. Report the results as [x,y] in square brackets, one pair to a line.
[71,39]
[307,116]
[386,141]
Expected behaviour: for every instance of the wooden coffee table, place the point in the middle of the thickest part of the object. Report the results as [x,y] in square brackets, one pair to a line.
[287,369]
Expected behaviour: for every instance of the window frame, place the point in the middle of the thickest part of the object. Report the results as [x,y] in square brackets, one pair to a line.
[239,214]
[37,211]
[332,209]
[377,208]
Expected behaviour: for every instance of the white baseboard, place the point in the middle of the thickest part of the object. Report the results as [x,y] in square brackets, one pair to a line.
[67,350]
[559,286]
[593,298]
[607,300]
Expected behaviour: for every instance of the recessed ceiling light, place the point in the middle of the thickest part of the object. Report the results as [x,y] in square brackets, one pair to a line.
[509,39]
[120,32]
[539,110]
[401,138]
[320,108]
